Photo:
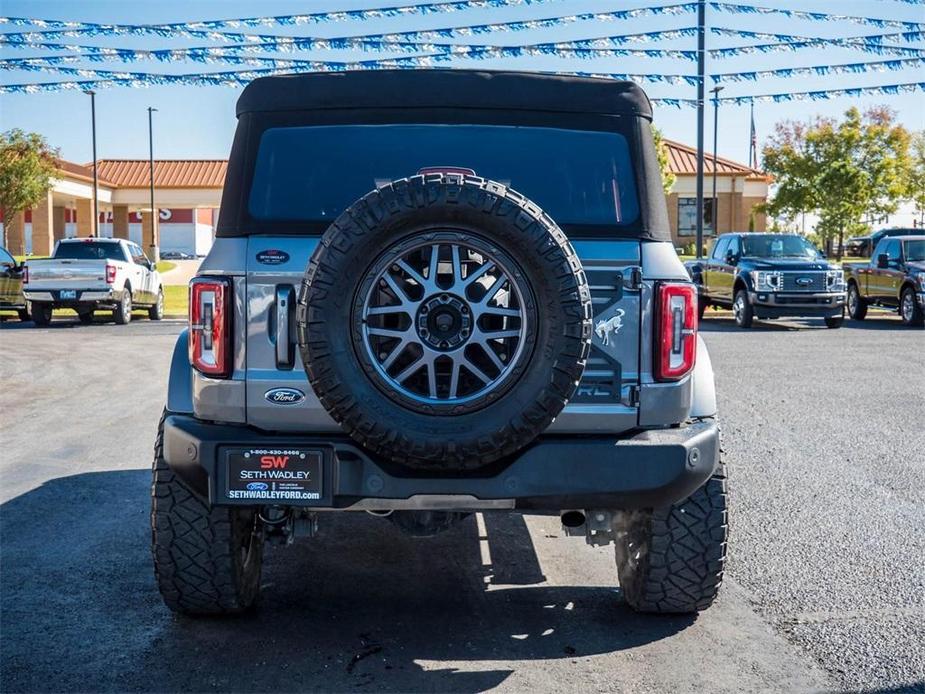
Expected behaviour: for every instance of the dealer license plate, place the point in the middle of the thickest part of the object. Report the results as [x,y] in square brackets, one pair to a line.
[271,474]
[68,294]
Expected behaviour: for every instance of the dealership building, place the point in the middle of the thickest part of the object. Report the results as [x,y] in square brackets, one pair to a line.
[188,193]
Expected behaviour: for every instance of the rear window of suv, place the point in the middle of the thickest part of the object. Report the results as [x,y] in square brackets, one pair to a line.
[314,173]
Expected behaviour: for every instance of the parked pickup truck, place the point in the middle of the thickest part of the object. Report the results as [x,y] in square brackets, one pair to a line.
[434,293]
[769,276]
[894,278]
[86,274]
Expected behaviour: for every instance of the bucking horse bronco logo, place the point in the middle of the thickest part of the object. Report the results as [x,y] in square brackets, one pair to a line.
[611,326]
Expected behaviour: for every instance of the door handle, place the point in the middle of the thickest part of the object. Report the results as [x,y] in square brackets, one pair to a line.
[285,309]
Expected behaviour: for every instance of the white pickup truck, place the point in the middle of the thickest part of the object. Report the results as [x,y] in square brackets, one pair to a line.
[86,274]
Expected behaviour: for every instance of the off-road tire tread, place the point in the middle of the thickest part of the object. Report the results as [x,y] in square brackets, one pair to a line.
[683,568]
[192,547]
[41,315]
[362,218]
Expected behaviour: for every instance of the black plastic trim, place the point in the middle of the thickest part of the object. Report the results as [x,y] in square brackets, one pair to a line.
[645,469]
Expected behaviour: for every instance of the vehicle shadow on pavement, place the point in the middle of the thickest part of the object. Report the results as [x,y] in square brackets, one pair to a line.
[728,325]
[361,605]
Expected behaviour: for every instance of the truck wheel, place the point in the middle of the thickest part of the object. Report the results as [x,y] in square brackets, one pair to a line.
[671,559]
[909,309]
[41,314]
[742,310]
[857,307]
[25,314]
[834,321]
[156,312]
[469,321]
[85,317]
[207,561]
[122,313]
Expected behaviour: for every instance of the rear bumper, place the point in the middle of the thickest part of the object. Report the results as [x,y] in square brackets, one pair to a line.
[83,297]
[778,305]
[647,469]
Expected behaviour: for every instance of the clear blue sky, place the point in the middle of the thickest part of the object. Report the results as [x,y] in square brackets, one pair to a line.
[198,122]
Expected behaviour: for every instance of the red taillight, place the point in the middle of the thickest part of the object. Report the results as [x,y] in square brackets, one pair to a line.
[210,326]
[676,331]
[110,274]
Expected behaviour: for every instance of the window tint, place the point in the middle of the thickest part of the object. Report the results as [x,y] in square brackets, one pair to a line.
[138,255]
[89,250]
[778,246]
[719,250]
[914,251]
[893,248]
[734,246]
[314,173]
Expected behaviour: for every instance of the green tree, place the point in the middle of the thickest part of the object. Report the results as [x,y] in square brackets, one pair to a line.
[843,171]
[661,149]
[916,185]
[27,166]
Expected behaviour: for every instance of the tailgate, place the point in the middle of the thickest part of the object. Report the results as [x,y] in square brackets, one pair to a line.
[66,274]
[279,397]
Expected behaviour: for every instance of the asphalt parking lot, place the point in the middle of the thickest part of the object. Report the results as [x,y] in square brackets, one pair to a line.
[825,441]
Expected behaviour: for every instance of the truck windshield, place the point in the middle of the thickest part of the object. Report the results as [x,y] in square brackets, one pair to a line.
[914,251]
[784,246]
[89,250]
[315,173]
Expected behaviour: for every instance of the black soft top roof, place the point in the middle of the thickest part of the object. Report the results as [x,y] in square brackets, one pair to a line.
[483,89]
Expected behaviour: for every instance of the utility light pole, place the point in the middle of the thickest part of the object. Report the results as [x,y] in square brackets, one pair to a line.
[714,211]
[96,194]
[701,78]
[155,248]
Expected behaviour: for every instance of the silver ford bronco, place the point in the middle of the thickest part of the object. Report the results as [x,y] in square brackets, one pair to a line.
[434,293]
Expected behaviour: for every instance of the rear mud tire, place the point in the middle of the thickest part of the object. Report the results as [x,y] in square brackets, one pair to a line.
[156,312]
[41,315]
[450,210]
[671,560]
[85,317]
[207,560]
[122,313]
[834,321]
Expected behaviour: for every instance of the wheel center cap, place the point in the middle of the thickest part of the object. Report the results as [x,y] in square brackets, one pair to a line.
[444,321]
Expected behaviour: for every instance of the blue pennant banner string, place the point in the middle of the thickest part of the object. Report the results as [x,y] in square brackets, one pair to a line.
[785,42]
[733,8]
[427,8]
[417,35]
[607,46]
[277,66]
[241,78]
[907,36]
[384,42]
[847,68]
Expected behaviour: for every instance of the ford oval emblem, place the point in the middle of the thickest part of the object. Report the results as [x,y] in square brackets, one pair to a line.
[257,486]
[804,281]
[284,396]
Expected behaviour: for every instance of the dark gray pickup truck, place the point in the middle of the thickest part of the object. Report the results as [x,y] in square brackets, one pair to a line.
[893,279]
[769,276]
[434,293]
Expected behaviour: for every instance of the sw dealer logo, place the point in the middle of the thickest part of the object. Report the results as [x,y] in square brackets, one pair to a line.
[273,462]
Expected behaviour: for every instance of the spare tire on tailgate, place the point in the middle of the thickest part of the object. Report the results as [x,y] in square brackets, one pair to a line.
[444,321]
